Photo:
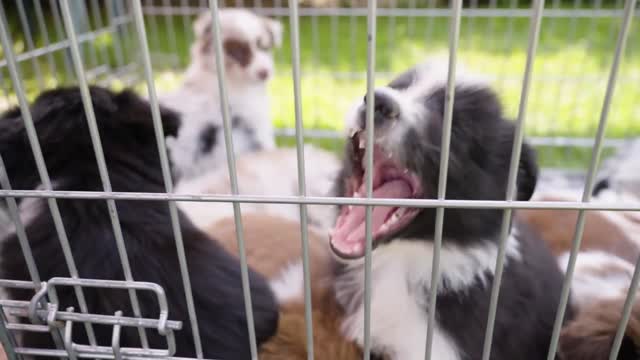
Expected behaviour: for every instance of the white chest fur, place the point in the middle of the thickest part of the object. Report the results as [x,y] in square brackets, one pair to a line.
[401,276]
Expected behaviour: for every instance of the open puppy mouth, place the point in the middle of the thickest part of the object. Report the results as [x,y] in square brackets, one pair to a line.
[390,180]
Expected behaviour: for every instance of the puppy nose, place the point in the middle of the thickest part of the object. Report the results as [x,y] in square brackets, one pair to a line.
[208,138]
[385,108]
[263,74]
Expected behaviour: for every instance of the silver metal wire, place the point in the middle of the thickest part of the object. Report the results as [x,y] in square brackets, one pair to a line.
[41,166]
[326,200]
[626,312]
[630,5]
[454,36]
[370,130]
[534,33]
[100,159]
[302,187]
[166,173]
[26,28]
[233,175]
[119,16]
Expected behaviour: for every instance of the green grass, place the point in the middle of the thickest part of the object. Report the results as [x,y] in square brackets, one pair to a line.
[569,79]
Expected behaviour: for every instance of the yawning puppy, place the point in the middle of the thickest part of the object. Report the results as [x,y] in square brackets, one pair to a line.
[408,128]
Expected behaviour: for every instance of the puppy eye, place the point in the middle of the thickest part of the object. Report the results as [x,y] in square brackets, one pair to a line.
[263,45]
[239,51]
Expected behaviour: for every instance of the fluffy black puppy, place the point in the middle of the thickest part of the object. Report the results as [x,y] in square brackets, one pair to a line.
[126,129]
[408,118]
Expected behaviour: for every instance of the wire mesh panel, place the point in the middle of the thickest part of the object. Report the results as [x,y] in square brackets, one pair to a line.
[556,65]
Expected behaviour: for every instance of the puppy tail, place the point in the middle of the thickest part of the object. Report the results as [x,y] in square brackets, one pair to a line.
[590,335]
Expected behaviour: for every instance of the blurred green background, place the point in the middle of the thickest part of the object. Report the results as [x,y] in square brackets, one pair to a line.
[569,79]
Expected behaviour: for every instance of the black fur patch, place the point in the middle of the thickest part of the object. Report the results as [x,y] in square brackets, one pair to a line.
[129,144]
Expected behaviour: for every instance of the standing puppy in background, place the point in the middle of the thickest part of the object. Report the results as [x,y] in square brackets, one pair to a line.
[247,42]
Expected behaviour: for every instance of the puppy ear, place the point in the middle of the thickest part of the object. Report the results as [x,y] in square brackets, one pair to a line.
[202,25]
[527,173]
[274,27]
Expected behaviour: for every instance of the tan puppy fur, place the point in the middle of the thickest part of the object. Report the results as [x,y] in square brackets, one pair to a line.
[273,243]
[273,248]
[607,231]
[590,335]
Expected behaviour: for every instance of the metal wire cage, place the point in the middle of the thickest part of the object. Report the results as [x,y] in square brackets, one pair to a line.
[43,51]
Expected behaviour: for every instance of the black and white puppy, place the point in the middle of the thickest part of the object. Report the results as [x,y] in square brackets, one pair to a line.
[126,129]
[408,126]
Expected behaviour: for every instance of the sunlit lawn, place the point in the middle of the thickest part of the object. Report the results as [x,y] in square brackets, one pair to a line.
[566,97]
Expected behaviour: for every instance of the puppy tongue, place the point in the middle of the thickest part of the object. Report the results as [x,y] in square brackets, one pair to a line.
[349,234]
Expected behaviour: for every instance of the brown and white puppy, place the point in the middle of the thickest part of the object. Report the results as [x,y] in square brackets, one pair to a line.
[248,41]
[612,232]
[268,173]
[599,289]
[273,248]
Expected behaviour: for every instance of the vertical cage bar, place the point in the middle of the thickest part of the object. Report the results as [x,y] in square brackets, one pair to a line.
[166,172]
[334,40]
[32,136]
[432,4]
[153,26]
[371,73]
[591,174]
[353,29]
[534,35]
[491,25]
[454,36]
[626,312]
[100,159]
[96,13]
[7,339]
[80,15]
[171,34]
[57,24]
[302,188]
[28,37]
[411,20]
[471,22]
[186,23]
[116,33]
[391,35]
[45,38]
[121,10]
[233,176]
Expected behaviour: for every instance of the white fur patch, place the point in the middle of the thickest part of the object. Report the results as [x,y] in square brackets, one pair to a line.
[289,285]
[28,209]
[401,278]
[598,276]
